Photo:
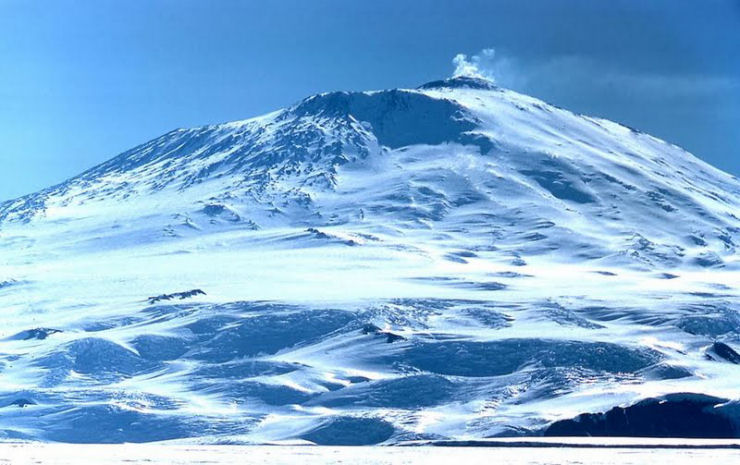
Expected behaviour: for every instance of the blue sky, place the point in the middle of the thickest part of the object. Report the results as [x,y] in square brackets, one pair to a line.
[81,81]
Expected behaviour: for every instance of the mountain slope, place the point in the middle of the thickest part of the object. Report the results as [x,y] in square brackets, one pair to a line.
[495,149]
[453,261]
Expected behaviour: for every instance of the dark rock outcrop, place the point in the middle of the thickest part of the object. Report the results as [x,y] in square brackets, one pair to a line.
[35,333]
[725,352]
[175,295]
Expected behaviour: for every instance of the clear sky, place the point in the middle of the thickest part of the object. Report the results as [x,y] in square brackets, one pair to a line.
[81,81]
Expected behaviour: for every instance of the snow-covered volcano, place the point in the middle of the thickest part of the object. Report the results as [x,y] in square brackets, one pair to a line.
[449,262]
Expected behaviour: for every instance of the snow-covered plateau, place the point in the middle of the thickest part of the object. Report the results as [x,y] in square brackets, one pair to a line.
[452,262]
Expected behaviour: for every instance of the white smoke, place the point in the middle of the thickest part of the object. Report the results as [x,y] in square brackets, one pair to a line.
[479,65]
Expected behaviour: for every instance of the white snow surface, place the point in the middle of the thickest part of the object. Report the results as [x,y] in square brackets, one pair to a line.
[156,454]
[456,261]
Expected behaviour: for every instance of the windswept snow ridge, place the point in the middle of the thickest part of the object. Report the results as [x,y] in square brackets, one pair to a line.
[452,262]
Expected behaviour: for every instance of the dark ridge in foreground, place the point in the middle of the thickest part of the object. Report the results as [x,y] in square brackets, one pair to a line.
[538,443]
[671,416]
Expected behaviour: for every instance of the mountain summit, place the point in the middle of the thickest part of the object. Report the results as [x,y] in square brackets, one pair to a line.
[452,261]
[461,82]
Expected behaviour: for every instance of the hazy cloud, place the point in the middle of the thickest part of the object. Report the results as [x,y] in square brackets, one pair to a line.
[576,72]
[566,72]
